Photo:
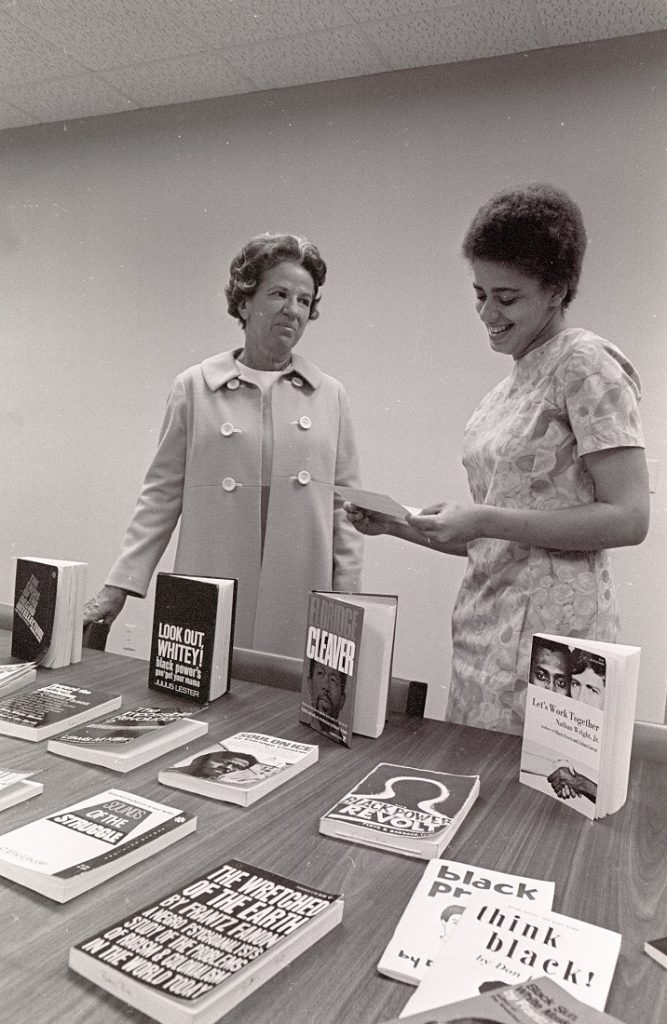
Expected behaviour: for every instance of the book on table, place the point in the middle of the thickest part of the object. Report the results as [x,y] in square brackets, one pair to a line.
[500,942]
[41,713]
[193,636]
[538,1001]
[347,663]
[70,851]
[49,595]
[580,709]
[241,768]
[213,942]
[15,787]
[16,675]
[131,738]
[412,811]
[435,907]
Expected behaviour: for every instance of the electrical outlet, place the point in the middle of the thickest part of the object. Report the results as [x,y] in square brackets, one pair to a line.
[130,638]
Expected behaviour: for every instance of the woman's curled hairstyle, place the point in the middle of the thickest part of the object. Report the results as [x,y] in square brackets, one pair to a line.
[260,254]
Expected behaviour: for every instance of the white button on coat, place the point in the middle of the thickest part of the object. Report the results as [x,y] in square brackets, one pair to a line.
[227,429]
[233,384]
[297,382]
[303,477]
[229,483]
[305,422]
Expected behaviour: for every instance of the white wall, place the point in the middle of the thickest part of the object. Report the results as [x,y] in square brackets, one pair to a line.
[116,234]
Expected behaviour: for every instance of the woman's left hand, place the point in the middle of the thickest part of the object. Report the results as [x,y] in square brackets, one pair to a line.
[446,523]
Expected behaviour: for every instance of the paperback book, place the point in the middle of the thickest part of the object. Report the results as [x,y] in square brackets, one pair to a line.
[657,949]
[37,714]
[507,942]
[435,908]
[241,768]
[72,850]
[16,675]
[15,787]
[193,636]
[125,741]
[580,710]
[372,501]
[211,943]
[49,595]
[539,1001]
[413,811]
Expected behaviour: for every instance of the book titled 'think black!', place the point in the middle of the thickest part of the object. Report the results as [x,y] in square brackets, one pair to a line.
[191,956]
[193,636]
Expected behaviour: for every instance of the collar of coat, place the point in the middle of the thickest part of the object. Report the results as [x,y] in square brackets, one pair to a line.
[217,370]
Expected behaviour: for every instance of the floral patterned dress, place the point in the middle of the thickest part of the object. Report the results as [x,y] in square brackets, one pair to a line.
[522,449]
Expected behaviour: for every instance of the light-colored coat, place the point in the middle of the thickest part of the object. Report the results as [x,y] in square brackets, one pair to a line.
[208,470]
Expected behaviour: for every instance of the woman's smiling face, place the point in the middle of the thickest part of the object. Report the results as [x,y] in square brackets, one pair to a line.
[518,311]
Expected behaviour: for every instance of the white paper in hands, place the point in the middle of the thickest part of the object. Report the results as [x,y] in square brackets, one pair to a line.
[380,504]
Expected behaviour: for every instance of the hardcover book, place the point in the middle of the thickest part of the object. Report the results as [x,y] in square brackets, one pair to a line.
[657,949]
[15,787]
[580,709]
[435,907]
[193,636]
[130,739]
[212,943]
[49,595]
[38,714]
[500,942]
[70,851]
[413,811]
[539,1001]
[241,768]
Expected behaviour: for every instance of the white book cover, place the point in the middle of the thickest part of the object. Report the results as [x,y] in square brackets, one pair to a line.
[72,850]
[15,787]
[444,891]
[505,942]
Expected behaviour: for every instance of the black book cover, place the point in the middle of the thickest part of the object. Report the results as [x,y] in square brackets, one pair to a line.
[35,592]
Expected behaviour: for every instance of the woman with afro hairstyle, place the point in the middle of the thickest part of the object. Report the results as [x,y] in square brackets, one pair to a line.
[253,441]
[554,457]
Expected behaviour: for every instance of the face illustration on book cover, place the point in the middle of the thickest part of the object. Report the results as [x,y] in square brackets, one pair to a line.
[224,765]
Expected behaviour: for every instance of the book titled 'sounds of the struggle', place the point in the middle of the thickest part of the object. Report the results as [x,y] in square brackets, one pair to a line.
[47,625]
[196,953]
[241,768]
[539,1001]
[580,710]
[435,907]
[38,714]
[505,942]
[193,636]
[70,851]
[414,811]
[130,739]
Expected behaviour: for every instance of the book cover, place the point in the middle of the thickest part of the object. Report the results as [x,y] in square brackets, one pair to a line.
[578,726]
[539,1001]
[193,636]
[74,849]
[41,713]
[242,768]
[372,501]
[15,787]
[657,949]
[15,675]
[35,591]
[435,907]
[506,942]
[330,663]
[193,955]
[125,741]
[413,811]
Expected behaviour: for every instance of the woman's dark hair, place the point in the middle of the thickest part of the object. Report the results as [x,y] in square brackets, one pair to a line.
[260,254]
[537,229]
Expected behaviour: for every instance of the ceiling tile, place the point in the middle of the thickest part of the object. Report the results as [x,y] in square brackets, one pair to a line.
[571,21]
[105,33]
[26,57]
[11,117]
[183,79]
[323,56]
[376,10]
[248,21]
[61,99]
[456,33]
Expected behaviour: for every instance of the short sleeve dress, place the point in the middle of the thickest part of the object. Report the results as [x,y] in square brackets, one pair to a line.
[522,449]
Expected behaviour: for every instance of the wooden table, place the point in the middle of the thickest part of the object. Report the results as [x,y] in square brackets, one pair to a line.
[611,872]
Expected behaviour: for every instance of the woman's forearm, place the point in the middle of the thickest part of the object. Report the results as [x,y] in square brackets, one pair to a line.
[579,528]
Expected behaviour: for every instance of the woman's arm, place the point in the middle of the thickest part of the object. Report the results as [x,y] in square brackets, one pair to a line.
[619,516]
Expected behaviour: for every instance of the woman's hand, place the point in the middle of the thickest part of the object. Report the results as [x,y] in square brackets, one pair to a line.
[446,525]
[369,523]
[105,606]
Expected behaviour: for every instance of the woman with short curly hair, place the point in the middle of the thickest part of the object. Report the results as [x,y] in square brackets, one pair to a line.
[555,462]
[253,442]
